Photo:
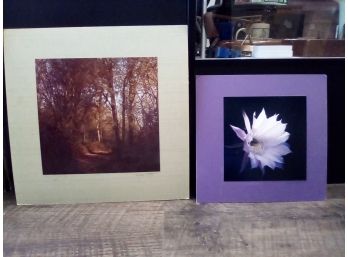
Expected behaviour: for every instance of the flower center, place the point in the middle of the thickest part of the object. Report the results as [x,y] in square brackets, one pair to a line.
[256,146]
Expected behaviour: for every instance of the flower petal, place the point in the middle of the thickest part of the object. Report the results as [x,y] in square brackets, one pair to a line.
[267,125]
[268,142]
[244,162]
[247,123]
[282,149]
[254,163]
[273,130]
[264,161]
[259,120]
[279,165]
[273,156]
[239,132]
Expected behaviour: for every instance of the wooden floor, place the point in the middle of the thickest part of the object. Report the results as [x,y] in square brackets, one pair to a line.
[177,228]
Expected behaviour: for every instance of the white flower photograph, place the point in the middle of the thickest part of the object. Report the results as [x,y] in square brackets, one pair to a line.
[264,138]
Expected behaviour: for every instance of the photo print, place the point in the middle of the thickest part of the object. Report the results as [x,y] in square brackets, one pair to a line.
[98,115]
[265,138]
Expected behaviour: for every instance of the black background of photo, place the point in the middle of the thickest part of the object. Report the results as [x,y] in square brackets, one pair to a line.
[291,110]
[73,13]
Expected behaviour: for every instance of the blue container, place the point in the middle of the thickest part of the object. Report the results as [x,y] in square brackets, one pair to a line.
[223,52]
[226,30]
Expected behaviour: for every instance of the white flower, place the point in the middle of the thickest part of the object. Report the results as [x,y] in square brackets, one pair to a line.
[265,141]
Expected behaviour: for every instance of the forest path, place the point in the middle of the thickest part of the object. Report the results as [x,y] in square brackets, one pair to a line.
[95,162]
[104,160]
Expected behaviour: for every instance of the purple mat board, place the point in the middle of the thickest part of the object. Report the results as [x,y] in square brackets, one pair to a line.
[210,93]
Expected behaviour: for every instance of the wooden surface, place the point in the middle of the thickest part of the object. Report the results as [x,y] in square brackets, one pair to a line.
[177,228]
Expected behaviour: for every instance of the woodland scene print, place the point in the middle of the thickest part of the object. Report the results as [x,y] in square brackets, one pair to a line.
[98,115]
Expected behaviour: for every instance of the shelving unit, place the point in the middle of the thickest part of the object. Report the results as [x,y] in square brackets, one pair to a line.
[239,4]
[313,31]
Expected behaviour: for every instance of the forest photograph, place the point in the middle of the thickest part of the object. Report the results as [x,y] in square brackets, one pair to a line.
[98,115]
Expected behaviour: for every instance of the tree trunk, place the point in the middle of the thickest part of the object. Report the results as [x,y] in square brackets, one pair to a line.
[115,124]
[124,105]
[131,130]
[99,121]
[131,97]
[84,134]
[114,116]
[98,133]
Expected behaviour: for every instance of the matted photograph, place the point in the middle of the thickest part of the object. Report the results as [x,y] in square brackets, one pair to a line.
[265,138]
[261,138]
[98,115]
[91,112]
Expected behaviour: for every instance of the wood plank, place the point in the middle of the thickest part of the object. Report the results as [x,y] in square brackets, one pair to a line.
[177,228]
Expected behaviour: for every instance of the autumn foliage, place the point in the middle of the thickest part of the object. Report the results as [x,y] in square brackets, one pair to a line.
[98,115]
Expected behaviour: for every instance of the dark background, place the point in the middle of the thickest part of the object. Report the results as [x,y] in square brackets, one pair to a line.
[291,110]
[72,13]
[79,13]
